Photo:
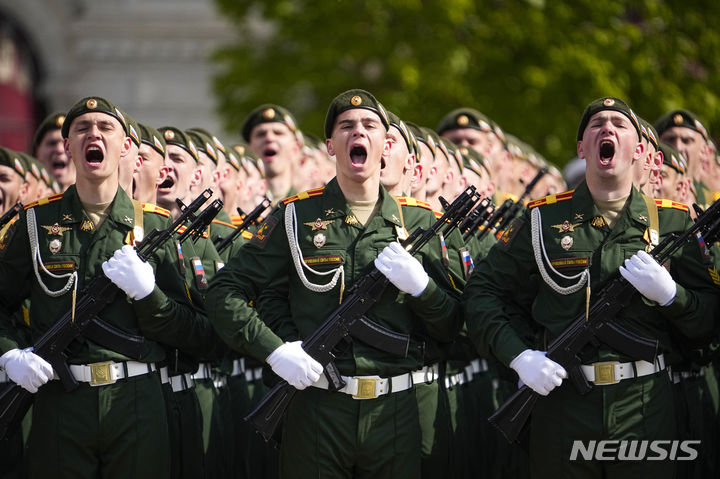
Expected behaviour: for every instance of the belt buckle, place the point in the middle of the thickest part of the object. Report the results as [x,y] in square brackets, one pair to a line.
[100,374]
[605,373]
[366,388]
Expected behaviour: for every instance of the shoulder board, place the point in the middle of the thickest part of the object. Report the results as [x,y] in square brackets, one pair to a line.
[182,229]
[44,201]
[246,234]
[151,208]
[672,204]
[550,199]
[218,222]
[237,220]
[304,195]
[408,201]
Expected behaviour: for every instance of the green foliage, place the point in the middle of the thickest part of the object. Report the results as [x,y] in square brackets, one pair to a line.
[531,65]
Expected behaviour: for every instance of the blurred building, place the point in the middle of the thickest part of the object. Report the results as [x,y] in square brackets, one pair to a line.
[151,57]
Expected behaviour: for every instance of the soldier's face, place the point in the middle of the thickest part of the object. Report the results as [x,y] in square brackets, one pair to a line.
[395,161]
[609,145]
[128,164]
[182,172]
[10,187]
[51,153]
[276,145]
[689,142]
[207,172]
[438,172]
[358,142]
[471,138]
[95,143]
[147,178]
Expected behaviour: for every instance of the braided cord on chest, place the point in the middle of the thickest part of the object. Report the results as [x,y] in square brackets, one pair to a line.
[37,259]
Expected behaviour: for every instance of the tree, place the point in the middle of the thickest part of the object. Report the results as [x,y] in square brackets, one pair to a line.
[531,65]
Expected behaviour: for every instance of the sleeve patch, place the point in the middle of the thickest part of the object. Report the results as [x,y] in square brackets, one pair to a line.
[510,233]
[263,233]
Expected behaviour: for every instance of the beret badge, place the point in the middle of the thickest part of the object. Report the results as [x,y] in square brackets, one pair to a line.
[463,120]
[356,100]
[609,102]
[169,134]
[91,103]
[268,114]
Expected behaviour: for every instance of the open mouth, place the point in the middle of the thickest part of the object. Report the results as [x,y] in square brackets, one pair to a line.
[358,155]
[58,164]
[607,151]
[168,183]
[269,153]
[94,155]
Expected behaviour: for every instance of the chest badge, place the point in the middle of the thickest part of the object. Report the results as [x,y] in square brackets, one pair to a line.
[55,246]
[566,242]
[318,224]
[56,229]
[351,220]
[319,240]
[87,225]
[566,226]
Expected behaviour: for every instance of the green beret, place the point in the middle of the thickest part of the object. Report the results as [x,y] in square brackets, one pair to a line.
[175,136]
[465,118]
[150,136]
[474,161]
[203,143]
[247,159]
[682,118]
[516,147]
[218,144]
[350,99]
[31,165]
[433,139]
[607,103]
[46,177]
[13,160]
[133,129]
[673,158]
[51,122]
[267,113]
[648,132]
[93,104]
[395,121]
[452,152]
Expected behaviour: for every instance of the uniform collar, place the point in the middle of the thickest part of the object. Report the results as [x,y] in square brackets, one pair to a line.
[584,208]
[335,205]
[121,209]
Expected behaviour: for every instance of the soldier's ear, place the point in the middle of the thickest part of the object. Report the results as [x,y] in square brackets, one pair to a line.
[580,150]
[330,149]
[196,177]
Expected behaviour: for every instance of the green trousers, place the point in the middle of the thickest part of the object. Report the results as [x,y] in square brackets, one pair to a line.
[114,431]
[331,435]
[212,429]
[185,426]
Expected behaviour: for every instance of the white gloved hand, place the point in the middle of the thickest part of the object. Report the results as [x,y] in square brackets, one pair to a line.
[26,368]
[402,269]
[130,273]
[538,372]
[650,278]
[294,365]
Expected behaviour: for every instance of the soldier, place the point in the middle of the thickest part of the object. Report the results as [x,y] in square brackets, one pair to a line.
[440,176]
[399,159]
[132,161]
[561,249]
[48,149]
[425,157]
[13,186]
[114,423]
[682,130]
[647,169]
[675,185]
[272,134]
[337,229]
[152,170]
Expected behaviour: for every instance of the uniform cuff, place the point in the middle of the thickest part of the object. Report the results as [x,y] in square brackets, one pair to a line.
[680,303]
[431,295]
[507,345]
[153,301]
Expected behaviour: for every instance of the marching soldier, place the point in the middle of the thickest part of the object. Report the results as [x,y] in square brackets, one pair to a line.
[49,150]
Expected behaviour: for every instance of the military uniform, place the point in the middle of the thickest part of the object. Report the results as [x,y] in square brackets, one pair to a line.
[119,427]
[577,238]
[375,436]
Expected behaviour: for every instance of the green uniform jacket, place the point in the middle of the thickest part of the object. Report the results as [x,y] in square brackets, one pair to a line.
[491,295]
[266,260]
[165,315]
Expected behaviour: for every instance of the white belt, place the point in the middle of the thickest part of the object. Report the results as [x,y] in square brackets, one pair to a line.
[164,375]
[677,376]
[181,382]
[238,367]
[220,381]
[369,387]
[474,368]
[426,375]
[253,374]
[204,371]
[108,372]
[455,379]
[612,372]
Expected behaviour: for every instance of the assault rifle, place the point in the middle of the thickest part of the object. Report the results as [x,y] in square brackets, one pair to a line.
[477,217]
[349,319]
[512,415]
[84,321]
[509,209]
[10,214]
[250,218]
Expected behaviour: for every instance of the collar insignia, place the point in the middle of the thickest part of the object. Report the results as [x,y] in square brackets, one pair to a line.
[579,216]
[329,211]
[566,226]
[319,224]
[351,220]
[598,222]
[87,225]
[67,217]
[127,219]
[56,229]
[642,218]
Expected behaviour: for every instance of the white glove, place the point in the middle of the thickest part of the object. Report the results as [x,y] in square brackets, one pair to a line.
[130,273]
[650,278]
[294,365]
[402,269]
[540,374]
[26,368]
